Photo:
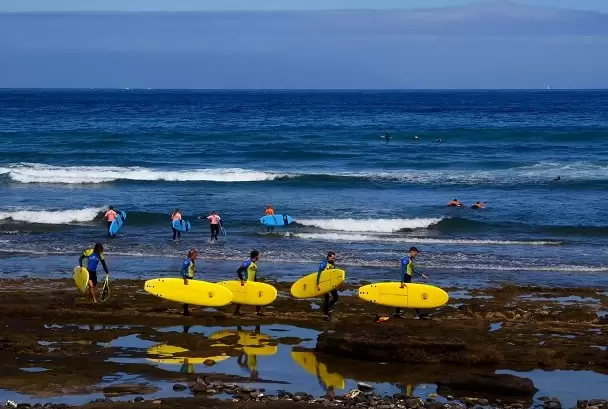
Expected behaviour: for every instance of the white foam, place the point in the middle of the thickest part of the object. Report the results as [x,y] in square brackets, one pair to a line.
[369,225]
[393,239]
[41,173]
[52,216]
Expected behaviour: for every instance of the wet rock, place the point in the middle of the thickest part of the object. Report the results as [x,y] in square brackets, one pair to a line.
[492,384]
[37,405]
[597,402]
[415,403]
[211,391]
[256,395]
[179,387]
[400,396]
[24,406]
[365,387]
[553,405]
[157,402]
[383,407]
[483,402]
[138,399]
[434,405]
[517,405]
[129,389]
[581,403]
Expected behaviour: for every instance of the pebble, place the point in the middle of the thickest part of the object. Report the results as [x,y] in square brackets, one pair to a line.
[179,387]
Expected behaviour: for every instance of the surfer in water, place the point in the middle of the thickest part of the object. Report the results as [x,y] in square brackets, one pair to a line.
[386,137]
[328,264]
[454,203]
[407,271]
[176,215]
[187,271]
[251,268]
[269,212]
[479,205]
[93,256]
[110,216]
[215,221]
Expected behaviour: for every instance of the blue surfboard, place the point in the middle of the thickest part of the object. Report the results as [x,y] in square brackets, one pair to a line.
[117,223]
[181,225]
[276,220]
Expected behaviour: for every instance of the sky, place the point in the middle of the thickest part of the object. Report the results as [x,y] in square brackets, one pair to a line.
[397,45]
[206,5]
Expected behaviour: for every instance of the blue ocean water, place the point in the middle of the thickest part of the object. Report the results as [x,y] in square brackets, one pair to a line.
[318,157]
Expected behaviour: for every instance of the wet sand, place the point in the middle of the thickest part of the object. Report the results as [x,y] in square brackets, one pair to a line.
[47,324]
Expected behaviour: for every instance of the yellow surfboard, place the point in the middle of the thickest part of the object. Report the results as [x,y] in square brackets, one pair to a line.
[313,366]
[81,278]
[195,293]
[251,292]
[251,343]
[306,287]
[413,295]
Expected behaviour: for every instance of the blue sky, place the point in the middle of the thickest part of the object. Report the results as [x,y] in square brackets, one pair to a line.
[454,45]
[203,5]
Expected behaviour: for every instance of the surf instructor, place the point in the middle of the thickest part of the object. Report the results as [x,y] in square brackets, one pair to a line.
[407,271]
[328,264]
[93,256]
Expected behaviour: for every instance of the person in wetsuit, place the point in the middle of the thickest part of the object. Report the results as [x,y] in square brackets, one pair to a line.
[269,211]
[455,203]
[407,271]
[94,256]
[176,215]
[479,205]
[187,271]
[327,264]
[250,266]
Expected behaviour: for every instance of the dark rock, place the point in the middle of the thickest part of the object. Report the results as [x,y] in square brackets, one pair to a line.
[400,396]
[365,387]
[434,405]
[23,406]
[597,402]
[414,403]
[581,404]
[129,389]
[517,405]
[552,405]
[179,387]
[37,405]
[383,407]
[491,384]
[139,399]
[483,402]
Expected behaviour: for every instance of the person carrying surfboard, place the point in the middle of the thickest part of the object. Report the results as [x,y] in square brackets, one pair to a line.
[110,216]
[328,264]
[215,221]
[187,271]
[93,256]
[176,215]
[407,271]
[250,266]
[269,212]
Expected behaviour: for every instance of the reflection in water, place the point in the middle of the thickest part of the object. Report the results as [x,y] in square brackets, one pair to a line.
[251,344]
[166,354]
[329,381]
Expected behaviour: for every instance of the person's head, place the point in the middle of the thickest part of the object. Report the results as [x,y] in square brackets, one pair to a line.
[110,207]
[455,200]
[192,254]
[254,255]
[331,256]
[98,248]
[414,252]
[478,202]
[214,212]
[176,210]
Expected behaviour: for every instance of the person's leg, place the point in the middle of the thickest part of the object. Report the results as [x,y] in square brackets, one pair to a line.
[237,311]
[174,233]
[258,311]
[397,312]
[217,232]
[92,284]
[334,299]
[186,311]
[109,224]
[325,306]
[211,227]
[179,236]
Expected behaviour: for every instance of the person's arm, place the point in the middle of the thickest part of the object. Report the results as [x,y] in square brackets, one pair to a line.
[184,271]
[404,263]
[239,272]
[82,257]
[105,266]
[321,268]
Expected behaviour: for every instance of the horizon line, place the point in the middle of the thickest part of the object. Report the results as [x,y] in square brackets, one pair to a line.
[292,89]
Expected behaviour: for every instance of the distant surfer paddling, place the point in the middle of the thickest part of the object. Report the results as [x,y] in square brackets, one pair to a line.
[407,271]
[479,205]
[215,222]
[176,215]
[187,271]
[251,268]
[94,256]
[328,264]
[110,215]
[454,203]
[386,137]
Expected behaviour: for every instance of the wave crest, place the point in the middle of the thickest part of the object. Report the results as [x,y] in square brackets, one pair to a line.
[52,216]
[370,225]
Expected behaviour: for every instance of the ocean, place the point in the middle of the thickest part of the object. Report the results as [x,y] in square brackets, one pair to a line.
[65,155]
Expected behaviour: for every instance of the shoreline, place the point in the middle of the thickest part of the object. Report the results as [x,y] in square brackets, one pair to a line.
[46,325]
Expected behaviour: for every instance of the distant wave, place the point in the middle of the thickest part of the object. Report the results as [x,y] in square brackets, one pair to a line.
[393,239]
[369,225]
[51,216]
[540,173]
[41,173]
